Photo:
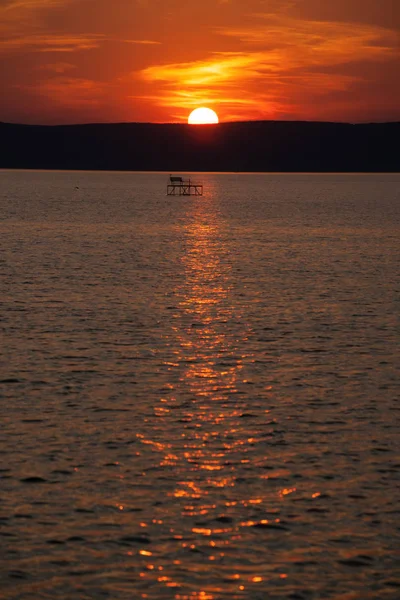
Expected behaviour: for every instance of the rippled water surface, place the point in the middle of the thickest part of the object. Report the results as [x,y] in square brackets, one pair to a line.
[199,396]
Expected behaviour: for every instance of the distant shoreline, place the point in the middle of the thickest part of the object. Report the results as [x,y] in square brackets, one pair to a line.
[184,124]
[234,147]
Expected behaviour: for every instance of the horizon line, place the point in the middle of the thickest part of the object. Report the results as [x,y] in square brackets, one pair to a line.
[185,124]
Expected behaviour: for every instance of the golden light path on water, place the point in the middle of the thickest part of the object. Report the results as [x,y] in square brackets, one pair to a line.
[213,445]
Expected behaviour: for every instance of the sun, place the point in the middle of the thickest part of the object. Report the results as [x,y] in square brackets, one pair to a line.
[202,116]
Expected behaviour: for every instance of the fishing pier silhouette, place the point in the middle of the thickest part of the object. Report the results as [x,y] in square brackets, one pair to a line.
[178,186]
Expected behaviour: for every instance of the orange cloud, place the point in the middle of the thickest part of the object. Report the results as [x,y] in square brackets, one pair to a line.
[306,42]
[144,42]
[17,17]
[62,42]
[14,5]
[53,43]
[223,67]
[60,67]
[69,92]
[279,57]
[215,82]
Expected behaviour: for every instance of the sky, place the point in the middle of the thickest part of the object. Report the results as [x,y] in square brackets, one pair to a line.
[81,61]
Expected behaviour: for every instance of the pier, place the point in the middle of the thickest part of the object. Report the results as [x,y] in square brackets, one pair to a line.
[178,186]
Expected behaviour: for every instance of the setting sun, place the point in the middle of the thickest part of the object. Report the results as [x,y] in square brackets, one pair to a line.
[202,116]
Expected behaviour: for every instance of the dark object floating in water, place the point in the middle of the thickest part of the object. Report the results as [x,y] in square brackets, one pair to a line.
[357,561]
[135,539]
[17,574]
[224,519]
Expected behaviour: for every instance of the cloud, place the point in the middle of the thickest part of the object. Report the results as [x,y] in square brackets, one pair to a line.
[221,67]
[62,42]
[18,17]
[316,42]
[32,4]
[59,67]
[217,82]
[280,58]
[69,92]
[25,11]
[144,42]
[53,43]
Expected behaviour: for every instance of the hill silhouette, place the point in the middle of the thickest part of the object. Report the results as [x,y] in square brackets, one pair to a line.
[251,146]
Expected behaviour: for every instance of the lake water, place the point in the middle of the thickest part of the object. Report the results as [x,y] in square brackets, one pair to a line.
[199,396]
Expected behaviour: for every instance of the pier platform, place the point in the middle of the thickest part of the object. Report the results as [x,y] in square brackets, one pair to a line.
[178,186]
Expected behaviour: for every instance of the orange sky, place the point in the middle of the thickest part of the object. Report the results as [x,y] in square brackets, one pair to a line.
[76,61]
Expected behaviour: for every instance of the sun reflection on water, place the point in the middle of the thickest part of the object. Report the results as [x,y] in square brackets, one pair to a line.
[212,356]
[207,368]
